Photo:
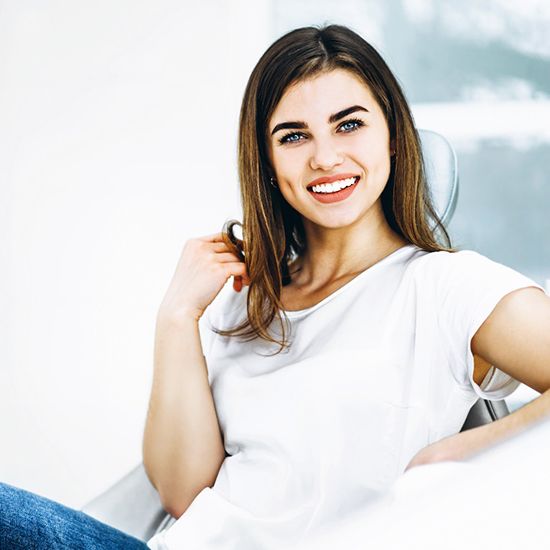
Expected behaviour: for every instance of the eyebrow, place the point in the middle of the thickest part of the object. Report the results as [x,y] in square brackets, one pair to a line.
[298,124]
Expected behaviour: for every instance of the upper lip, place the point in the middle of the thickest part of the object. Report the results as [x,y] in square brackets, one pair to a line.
[330,179]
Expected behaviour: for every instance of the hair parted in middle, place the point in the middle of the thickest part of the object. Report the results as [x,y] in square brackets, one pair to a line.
[273,232]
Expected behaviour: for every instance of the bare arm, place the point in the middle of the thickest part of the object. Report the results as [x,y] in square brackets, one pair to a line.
[182,443]
[515,338]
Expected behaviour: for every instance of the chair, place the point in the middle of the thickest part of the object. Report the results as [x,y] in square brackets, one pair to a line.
[441,168]
[133,505]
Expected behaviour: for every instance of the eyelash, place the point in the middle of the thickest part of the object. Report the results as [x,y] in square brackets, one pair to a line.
[358,122]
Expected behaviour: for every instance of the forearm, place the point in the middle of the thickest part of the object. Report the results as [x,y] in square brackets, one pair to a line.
[478,439]
[470,442]
[182,444]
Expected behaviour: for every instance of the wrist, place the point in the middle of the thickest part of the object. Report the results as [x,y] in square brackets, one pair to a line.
[184,316]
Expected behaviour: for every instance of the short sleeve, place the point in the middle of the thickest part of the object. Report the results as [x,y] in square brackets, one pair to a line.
[468,288]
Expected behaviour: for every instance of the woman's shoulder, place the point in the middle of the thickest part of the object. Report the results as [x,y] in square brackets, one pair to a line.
[458,268]
[467,273]
[454,259]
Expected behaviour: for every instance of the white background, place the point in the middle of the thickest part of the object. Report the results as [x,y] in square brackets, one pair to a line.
[118,129]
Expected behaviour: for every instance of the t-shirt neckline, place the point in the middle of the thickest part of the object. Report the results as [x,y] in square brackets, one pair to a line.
[300,312]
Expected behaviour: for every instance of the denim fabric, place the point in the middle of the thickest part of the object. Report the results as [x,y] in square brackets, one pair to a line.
[32,522]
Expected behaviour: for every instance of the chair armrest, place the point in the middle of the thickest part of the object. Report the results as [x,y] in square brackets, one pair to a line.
[484,411]
[131,505]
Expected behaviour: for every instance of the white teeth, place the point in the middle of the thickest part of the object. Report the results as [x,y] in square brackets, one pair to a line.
[333,187]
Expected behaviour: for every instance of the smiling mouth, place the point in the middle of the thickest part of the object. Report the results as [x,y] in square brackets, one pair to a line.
[328,196]
[334,187]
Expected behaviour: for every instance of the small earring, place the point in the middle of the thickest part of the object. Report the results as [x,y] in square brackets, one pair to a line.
[273,182]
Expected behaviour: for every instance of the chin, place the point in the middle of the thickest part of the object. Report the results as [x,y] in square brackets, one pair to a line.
[337,222]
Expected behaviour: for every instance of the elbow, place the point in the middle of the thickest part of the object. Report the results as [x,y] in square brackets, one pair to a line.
[174,511]
[170,502]
[175,499]
[176,505]
[178,489]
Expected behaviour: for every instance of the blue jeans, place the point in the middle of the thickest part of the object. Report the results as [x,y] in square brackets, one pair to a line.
[32,522]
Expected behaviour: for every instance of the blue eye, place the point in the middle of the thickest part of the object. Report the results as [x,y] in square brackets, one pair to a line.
[286,138]
[354,123]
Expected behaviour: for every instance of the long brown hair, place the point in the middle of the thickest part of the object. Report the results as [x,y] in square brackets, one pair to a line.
[273,233]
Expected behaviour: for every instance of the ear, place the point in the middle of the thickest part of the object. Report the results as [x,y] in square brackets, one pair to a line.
[392,147]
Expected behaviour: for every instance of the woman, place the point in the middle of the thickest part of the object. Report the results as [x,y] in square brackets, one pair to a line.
[351,343]
[354,348]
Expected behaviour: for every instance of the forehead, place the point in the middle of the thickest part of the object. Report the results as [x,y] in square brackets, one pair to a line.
[326,92]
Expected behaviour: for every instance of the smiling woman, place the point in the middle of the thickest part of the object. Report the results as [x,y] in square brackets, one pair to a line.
[320,107]
[365,338]
[386,335]
[355,152]
[386,338]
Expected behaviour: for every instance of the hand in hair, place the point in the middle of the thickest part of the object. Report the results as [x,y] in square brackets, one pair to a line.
[204,266]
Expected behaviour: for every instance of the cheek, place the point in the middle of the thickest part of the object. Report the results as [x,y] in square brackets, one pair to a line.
[289,169]
[289,192]
[279,162]
[287,158]
[374,158]
[377,166]
[383,169]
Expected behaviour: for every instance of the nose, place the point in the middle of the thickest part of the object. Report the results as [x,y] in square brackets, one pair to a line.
[325,155]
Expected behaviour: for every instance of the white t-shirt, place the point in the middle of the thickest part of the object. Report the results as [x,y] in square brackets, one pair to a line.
[376,371]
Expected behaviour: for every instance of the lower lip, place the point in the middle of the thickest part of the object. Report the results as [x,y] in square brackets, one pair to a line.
[335,197]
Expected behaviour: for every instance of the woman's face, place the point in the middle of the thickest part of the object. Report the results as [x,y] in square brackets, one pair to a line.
[330,126]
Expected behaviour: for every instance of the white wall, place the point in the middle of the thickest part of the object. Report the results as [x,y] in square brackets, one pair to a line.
[118,129]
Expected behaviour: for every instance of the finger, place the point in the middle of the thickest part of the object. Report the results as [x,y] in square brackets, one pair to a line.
[222,247]
[219,247]
[236,269]
[213,238]
[225,257]
[237,284]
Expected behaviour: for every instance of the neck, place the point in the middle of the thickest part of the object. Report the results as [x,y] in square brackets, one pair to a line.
[334,254]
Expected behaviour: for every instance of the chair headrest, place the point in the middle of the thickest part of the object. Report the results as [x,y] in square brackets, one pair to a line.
[441,169]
